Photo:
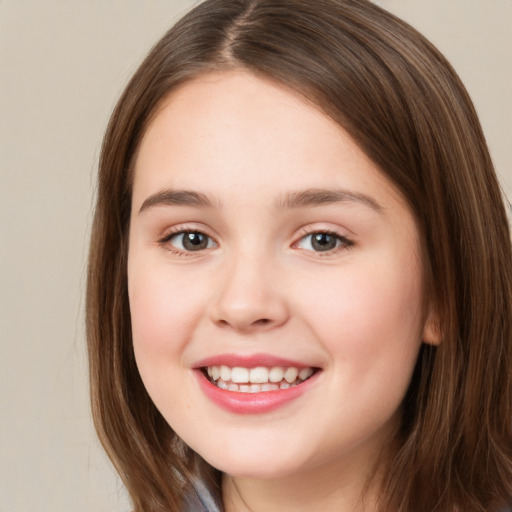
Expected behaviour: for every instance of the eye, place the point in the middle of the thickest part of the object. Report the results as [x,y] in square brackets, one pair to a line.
[323,241]
[188,241]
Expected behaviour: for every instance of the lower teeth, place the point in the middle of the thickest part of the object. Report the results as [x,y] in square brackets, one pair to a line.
[254,388]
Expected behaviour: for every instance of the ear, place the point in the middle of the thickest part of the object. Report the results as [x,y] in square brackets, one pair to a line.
[432,334]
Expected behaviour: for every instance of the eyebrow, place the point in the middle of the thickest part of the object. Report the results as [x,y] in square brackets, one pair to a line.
[292,200]
[319,197]
[171,197]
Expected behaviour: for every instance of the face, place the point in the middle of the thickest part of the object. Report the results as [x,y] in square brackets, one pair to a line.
[275,282]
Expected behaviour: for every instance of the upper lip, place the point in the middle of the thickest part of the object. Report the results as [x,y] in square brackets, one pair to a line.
[249,361]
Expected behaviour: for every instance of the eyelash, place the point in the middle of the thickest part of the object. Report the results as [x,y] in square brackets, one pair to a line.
[343,243]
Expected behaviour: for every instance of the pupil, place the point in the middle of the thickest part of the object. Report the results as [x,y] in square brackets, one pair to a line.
[323,242]
[194,241]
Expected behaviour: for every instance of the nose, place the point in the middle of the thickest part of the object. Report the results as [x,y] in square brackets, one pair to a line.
[249,297]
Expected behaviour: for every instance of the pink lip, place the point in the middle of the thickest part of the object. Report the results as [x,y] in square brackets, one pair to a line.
[251,361]
[252,403]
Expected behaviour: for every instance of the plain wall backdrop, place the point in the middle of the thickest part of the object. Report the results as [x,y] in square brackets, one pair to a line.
[63,64]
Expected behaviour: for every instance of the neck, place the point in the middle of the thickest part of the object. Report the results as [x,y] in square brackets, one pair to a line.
[330,489]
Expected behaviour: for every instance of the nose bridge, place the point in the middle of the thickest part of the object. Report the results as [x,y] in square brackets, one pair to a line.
[248,295]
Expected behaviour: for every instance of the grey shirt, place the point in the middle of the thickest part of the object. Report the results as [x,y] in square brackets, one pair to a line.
[201,500]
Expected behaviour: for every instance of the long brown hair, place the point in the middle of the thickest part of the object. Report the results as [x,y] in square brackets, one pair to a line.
[406,108]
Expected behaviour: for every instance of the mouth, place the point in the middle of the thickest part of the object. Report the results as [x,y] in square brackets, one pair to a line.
[259,379]
[256,383]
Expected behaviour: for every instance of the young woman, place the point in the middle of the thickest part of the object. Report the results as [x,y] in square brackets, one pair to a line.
[300,280]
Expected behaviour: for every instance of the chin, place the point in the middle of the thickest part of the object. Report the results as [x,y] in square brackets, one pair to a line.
[259,464]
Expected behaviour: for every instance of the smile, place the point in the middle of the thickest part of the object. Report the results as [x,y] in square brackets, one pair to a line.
[255,384]
[256,380]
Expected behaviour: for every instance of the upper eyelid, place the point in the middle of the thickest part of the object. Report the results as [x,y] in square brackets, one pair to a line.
[337,231]
[185,228]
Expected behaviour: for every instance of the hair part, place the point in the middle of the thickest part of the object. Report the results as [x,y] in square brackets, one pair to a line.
[405,107]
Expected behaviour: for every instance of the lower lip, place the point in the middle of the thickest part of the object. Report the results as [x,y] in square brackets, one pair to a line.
[252,403]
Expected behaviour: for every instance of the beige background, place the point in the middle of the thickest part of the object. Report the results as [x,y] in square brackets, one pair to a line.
[62,65]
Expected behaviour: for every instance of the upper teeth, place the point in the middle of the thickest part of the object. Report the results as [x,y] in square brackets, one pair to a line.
[258,375]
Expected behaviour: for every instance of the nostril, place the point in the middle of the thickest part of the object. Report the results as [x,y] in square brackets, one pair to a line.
[262,322]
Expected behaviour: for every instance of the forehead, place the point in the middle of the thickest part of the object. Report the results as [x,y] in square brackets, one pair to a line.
[230,130]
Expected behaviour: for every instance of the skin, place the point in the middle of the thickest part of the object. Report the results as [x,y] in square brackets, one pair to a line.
[260,286]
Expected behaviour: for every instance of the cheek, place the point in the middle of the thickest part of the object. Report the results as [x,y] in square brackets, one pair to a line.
[369,313]
[163,309]
[370,324]
[164,314]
